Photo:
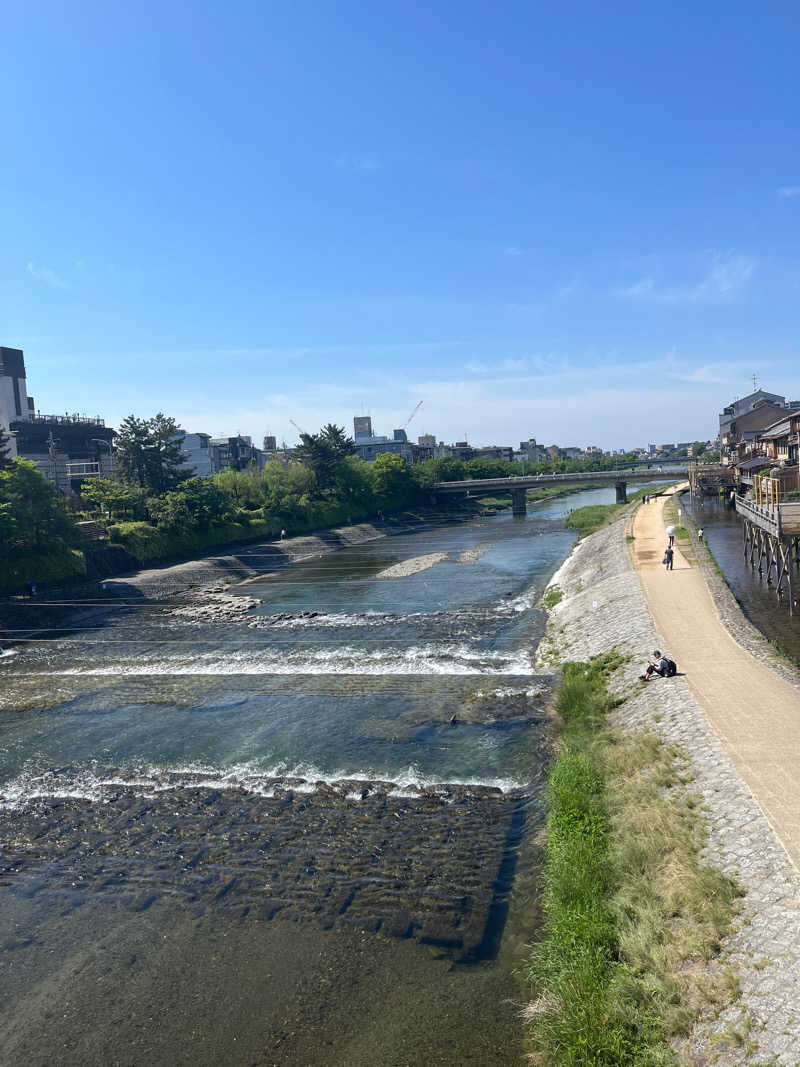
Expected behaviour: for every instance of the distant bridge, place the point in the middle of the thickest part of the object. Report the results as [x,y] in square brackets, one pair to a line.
[518,487]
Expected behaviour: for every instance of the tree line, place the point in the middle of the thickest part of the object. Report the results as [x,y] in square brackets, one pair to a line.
[325,484]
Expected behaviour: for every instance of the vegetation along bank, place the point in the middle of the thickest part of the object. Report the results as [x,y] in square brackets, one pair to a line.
[152,510]
[662,881]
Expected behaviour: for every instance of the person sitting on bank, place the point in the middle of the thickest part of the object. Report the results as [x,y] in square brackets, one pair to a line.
[659,664]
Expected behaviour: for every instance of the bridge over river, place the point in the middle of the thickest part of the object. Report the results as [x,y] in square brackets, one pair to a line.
[518,487]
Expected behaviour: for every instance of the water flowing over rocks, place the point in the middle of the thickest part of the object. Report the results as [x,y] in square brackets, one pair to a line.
[603,607]
[213,605]
[431,862]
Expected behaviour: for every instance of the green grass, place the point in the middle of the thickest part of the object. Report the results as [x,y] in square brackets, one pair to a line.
[632,917]
[592,518]
[551,596]
[575,967]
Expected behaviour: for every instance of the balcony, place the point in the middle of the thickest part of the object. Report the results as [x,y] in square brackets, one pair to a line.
[89,469]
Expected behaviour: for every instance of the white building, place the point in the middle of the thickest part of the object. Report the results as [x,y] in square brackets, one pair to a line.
[198,457]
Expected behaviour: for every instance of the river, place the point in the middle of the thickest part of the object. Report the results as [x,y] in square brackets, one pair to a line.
[292,839]
[722,529]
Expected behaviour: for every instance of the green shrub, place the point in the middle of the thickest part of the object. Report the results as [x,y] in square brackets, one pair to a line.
[551,596]
[46,566]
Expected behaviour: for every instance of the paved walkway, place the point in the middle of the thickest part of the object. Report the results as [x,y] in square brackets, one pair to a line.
[754,712]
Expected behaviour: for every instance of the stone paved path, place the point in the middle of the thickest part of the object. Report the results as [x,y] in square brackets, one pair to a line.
[604,607]
[754,712]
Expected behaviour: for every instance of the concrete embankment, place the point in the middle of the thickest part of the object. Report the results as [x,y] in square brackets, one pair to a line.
[603,607]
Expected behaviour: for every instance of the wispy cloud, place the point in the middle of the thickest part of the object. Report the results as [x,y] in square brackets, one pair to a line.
[46,274]
[788,191]
[363,161]
[544,365]
[512,250]
[730,374]
[725,275]
[644,287]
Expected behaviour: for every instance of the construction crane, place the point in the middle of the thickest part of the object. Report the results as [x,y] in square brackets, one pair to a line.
[298,428]
[413,413]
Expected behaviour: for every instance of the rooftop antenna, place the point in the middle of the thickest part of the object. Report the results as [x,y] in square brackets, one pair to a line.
[755,384]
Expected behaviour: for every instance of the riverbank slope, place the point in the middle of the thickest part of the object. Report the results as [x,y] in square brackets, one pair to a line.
[192,580]
[603,606]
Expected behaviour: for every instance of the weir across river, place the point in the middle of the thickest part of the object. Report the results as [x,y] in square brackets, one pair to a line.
[519,486]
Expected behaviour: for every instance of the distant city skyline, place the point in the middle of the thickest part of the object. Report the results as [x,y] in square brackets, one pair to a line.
[557,421]
[292,211]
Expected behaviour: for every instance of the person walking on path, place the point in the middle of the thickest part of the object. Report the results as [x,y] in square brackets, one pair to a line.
[671,535]
[700,535]
[669,556]
[751,707]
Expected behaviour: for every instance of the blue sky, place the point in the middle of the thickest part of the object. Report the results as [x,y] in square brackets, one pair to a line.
[579,224]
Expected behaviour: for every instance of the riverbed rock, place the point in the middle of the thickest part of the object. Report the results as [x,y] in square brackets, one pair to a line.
[421,863]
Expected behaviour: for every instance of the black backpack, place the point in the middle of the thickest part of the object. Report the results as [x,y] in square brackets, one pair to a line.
[672,669]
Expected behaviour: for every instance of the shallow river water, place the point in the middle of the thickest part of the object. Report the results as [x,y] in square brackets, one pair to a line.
[290,839]
[723,530]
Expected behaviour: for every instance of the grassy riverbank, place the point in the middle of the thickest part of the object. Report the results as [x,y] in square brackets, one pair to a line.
[588,520]
[633,917]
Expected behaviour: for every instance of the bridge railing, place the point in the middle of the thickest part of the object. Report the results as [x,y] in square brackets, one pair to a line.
[523,480]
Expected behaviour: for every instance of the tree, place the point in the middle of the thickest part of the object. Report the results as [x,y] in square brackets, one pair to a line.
[392,479]
[337,440]
[444,469]
[148,452]
[324,453]
[166,460]
[119,500]
[489,468]
[132,443]
[196,504]
[32,514]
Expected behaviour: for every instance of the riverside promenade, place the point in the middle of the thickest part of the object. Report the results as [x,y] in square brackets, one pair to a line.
[753,711]
[604,606]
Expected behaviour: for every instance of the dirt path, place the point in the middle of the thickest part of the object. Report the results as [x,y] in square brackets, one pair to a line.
[753,711]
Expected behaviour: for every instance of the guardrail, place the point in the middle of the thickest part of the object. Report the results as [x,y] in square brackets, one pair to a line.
[521,481]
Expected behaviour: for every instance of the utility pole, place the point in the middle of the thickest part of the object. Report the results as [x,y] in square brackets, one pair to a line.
[51,451]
